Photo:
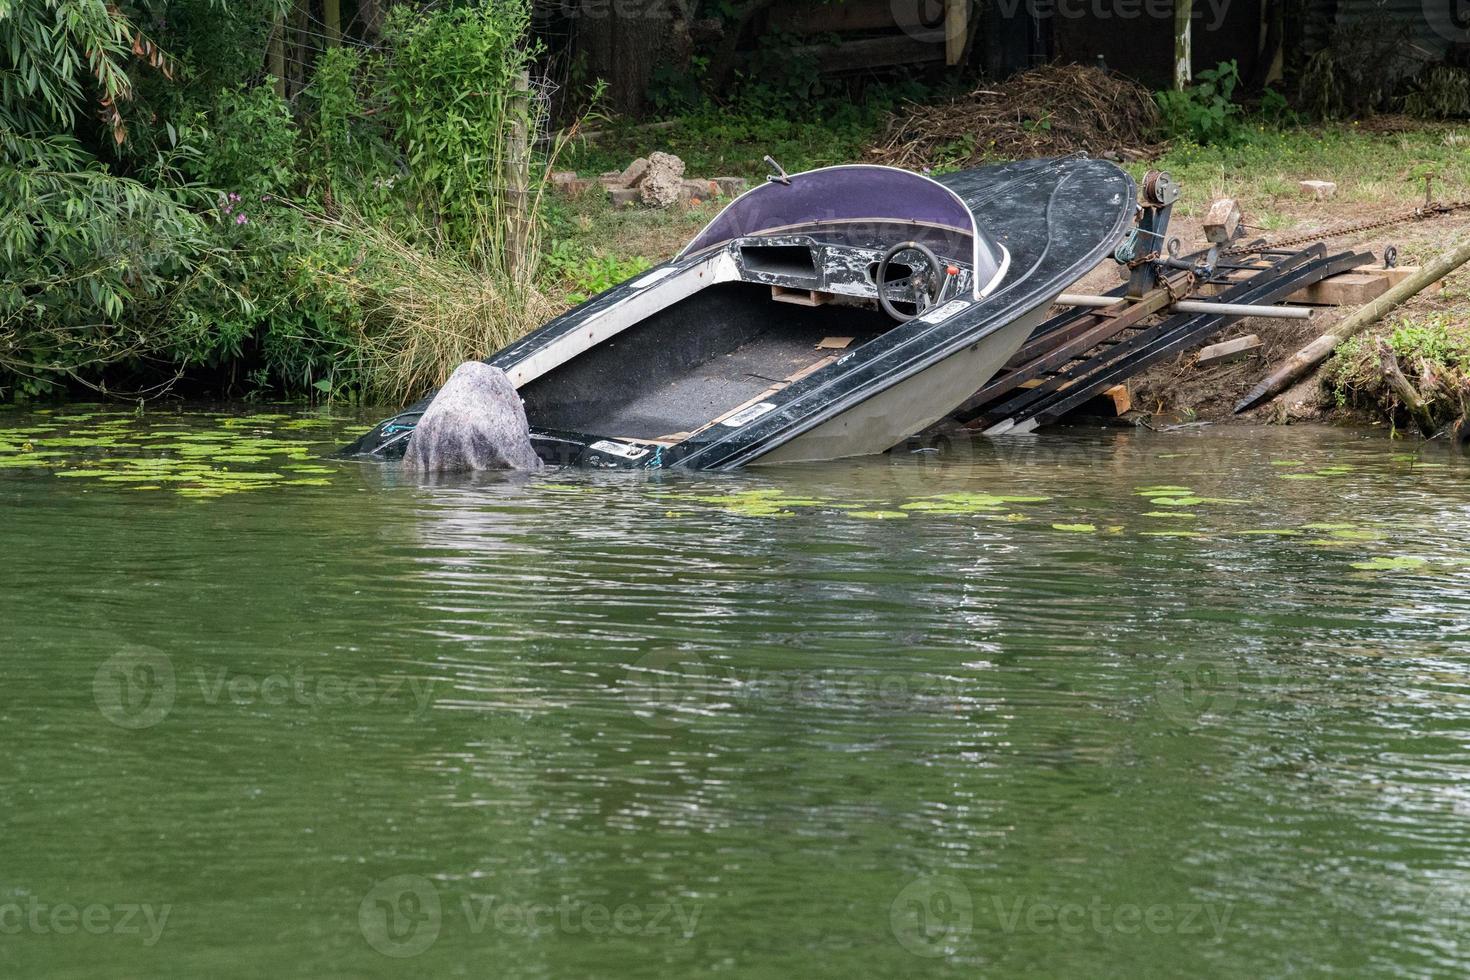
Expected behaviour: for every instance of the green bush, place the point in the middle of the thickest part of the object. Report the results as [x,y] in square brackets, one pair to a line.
[453,80]
[1204,112]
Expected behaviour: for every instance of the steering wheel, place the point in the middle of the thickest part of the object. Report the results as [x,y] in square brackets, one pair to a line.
[926,286]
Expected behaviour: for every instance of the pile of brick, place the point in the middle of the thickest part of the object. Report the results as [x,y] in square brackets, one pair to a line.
[656,181]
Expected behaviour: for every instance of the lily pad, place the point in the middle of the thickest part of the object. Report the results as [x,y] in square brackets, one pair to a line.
[1076,528]
[1401,563]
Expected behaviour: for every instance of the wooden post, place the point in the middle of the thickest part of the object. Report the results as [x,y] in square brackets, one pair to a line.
[1182,59]
[956,30]
[332,22]
[1404,390]
[1316,352]
[518,173]
[276,54]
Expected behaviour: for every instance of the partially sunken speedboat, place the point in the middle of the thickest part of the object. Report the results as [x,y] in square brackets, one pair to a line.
[826,314]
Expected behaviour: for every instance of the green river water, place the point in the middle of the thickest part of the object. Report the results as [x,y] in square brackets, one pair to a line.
[1094,703]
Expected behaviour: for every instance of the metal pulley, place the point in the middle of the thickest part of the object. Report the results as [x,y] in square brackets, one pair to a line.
[1159,189]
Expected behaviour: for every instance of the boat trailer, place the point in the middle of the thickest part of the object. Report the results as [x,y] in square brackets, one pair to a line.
[1158,313]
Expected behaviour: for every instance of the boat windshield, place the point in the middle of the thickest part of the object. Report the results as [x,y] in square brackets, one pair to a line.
[864,202]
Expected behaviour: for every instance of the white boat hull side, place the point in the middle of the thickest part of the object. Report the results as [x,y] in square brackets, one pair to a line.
[891,416]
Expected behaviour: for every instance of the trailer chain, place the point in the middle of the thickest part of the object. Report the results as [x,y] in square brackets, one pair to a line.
[1418,214]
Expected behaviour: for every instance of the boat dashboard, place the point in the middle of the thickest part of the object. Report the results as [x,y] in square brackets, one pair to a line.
[819,267]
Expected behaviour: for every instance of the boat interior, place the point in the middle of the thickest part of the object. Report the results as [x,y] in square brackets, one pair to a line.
[788,279]
[697,361]
[789,307]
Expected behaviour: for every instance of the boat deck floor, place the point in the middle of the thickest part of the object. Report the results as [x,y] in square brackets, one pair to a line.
[717,388]
[694,363]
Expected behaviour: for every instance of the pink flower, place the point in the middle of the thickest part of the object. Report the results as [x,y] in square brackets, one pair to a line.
[240,219]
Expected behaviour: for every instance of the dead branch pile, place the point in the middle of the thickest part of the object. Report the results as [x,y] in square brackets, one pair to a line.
[1049,111]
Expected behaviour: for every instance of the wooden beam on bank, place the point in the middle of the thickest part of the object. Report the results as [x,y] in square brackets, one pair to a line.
[1318,350]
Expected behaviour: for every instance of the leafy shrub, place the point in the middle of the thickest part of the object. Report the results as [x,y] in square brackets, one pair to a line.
[570,267]
[1440,92]
[454,80]
[1204,112]
[424,307]
[1433,353]
[1357,70]
[246,142]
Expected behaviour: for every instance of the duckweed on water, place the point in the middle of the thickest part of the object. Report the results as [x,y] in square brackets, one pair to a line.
[1402,563]
[206,462]
[1076,528]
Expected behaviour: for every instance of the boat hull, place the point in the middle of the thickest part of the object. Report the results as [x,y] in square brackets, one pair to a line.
[895,414]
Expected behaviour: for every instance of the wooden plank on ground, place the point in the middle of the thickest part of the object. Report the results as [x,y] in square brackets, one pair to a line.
[1347,289]
[1397,274]
[1231,350]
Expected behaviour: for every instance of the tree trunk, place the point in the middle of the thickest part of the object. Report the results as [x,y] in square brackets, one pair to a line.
[722,59]
[1183,71]
[300,49]
[372,20]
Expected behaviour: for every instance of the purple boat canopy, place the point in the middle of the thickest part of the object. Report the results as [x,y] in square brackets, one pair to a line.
[840,198]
